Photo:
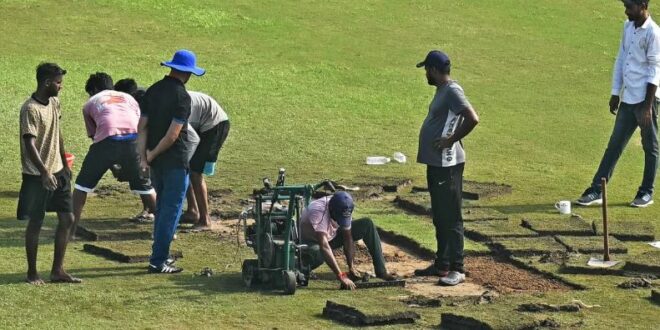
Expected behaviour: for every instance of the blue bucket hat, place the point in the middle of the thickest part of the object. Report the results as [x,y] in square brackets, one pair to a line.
[185,61]
[341,208]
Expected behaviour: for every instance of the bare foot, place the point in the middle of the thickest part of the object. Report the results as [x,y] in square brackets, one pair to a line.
[190,217]
[199,228]
[388,277]
[63,277]
[34,280]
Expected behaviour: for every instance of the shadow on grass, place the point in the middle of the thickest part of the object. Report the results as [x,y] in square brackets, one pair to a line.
[9,194]
[83,273]
[220,283]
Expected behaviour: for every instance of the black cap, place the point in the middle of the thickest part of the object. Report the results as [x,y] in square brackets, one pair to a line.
[437,59]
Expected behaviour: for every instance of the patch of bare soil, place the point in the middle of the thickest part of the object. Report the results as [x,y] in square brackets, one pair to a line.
[484,273]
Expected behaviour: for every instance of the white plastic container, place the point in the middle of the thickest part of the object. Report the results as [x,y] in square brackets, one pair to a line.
[399,157]
[377,160]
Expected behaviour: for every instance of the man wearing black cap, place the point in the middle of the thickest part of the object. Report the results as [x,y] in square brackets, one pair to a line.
[162,144]
[634,101]
[450,118]
[327,224]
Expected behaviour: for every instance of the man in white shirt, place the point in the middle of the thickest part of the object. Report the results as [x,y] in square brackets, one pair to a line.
[634,101]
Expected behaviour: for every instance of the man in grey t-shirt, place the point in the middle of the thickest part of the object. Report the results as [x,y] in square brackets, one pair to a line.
[450,118]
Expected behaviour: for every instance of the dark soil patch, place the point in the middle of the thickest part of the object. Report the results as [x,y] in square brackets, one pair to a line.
[121,256]
[628,230]
[560,226]
[496,273]
[484,231]
[646,263]
[591,244]
[502,276]
[527,246]
[354,317]
[461,322]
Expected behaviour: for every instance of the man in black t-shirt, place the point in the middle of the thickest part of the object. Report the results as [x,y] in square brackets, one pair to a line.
[162,136]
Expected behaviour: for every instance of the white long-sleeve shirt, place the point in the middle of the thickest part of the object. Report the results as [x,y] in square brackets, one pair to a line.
[638,62]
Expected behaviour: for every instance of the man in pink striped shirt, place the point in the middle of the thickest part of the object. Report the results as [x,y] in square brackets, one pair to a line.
[111,120]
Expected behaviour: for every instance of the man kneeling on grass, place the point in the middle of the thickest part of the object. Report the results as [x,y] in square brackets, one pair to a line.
[327,224]
[111,119]
[46,182]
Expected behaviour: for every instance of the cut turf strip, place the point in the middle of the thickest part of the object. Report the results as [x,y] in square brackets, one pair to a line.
[591,244]
[354,317]
[560,226]
[485,231]
[625,230]
[456,321]
[647,263]
[111,235]
[527,246]
[124,251]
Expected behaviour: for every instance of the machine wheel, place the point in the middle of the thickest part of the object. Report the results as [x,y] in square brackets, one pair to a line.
[289,279]
[249,272]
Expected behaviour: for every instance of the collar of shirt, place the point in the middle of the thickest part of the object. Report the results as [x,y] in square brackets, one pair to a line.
[638,61]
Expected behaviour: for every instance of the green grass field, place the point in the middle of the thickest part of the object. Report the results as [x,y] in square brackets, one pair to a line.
[315,87]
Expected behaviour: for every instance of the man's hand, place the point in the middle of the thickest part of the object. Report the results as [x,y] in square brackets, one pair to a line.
[354,274]
[150,156]
[346,283]
[443,142]
[614,104]
[644,116]
[49,181]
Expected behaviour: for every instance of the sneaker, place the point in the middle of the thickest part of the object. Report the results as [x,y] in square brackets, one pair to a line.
[453,278]
[431,270]
[642,200]
[143,217]
[590,197]
[164,269]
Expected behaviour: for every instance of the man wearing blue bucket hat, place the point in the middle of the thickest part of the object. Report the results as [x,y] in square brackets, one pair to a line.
[162,144]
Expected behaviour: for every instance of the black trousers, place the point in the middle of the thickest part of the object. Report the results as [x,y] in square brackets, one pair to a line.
[446,189]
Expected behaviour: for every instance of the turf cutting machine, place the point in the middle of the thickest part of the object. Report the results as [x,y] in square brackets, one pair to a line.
[275,235]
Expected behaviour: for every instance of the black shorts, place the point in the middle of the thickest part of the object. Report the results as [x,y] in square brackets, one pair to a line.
[34,200]
[102,155]
[210,143]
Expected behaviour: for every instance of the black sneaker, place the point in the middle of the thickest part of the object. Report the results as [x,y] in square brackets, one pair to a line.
[431,270]
[164,269]
[590,197]
[642,200]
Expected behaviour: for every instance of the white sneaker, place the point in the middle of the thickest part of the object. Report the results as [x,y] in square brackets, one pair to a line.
[453,278]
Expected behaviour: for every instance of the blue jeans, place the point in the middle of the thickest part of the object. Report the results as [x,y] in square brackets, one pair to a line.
[624,127]
[170,185]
